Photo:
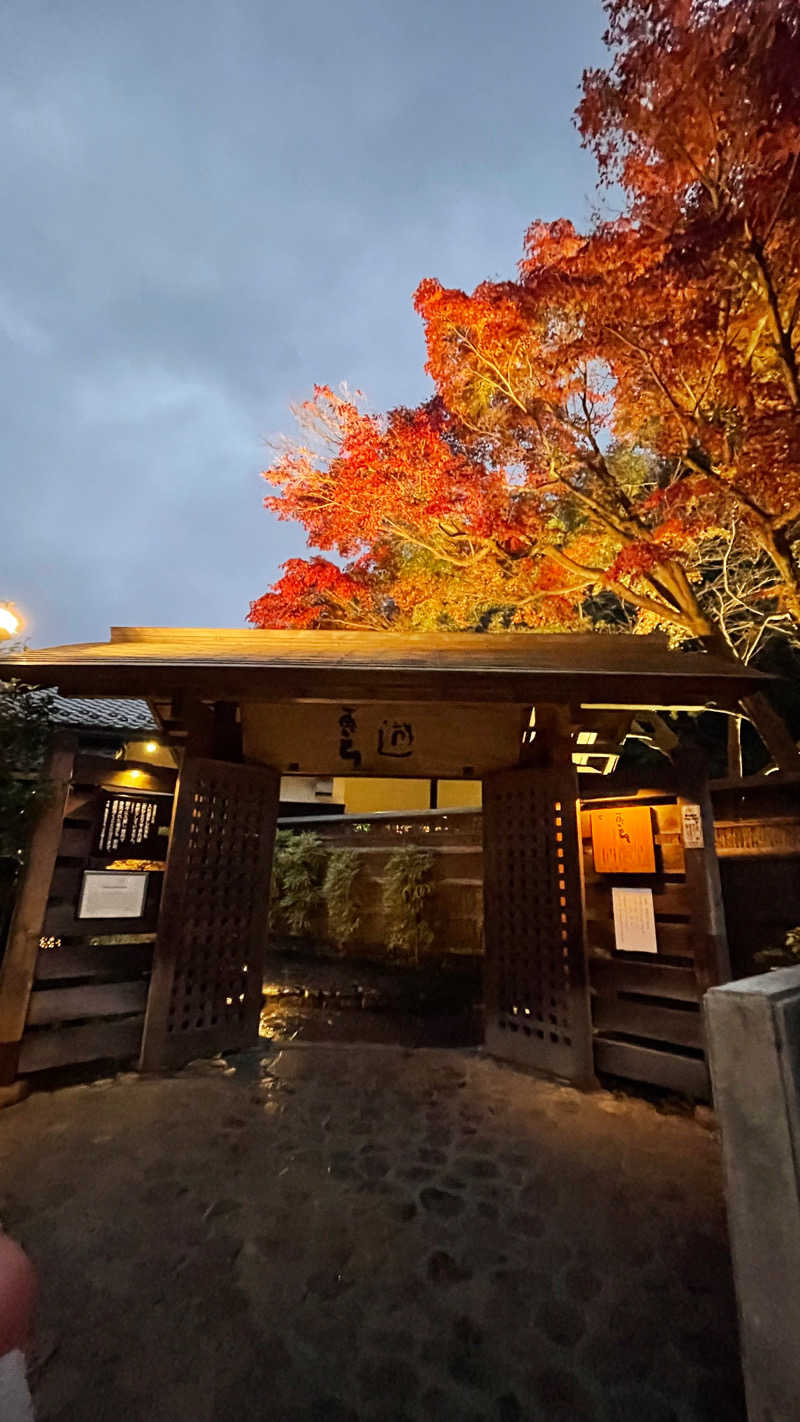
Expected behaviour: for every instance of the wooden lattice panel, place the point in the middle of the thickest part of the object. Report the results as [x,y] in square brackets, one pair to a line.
[206,988]
[537,1004]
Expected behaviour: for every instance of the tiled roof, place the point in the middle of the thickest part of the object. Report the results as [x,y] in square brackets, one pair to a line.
[103,714]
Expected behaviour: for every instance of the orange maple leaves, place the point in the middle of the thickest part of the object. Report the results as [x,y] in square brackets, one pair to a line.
[631,398]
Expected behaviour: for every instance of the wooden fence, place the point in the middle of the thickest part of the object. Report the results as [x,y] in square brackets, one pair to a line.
[757,835]
[453,837]
[757,831]
[91,975]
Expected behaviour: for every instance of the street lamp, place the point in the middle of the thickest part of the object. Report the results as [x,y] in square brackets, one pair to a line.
[10,623]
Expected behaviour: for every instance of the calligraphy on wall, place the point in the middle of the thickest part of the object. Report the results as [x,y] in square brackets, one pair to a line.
[133,823]
[384,738]
[622,840]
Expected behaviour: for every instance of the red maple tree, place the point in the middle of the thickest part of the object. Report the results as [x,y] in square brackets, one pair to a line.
[630,404]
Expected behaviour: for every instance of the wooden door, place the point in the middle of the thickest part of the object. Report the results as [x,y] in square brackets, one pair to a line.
[536,993]
[205,990]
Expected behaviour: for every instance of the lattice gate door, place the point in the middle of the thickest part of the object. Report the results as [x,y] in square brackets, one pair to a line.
[205,991]
[537,1004]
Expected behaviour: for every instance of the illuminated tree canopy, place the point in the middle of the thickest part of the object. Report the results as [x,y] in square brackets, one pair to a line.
[614,435]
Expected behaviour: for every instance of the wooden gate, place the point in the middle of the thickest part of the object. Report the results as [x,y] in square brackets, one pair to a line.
[205,990]
[537,1009]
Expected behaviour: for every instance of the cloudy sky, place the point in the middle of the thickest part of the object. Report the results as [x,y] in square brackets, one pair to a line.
[208,205]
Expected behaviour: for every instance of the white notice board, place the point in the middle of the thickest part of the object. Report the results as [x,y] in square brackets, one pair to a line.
[634,920]
[692,826]
[107,893]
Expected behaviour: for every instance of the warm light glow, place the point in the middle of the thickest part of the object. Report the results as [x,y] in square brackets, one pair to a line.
[134,774]
[151,747]
[9,622]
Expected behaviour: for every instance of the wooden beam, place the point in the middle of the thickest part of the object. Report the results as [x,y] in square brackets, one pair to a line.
[19,962]
[90,1041]
[227,731]
[118,961]
[71,1004]
[635,689]
[711,960]
[551,746]
[676,1071]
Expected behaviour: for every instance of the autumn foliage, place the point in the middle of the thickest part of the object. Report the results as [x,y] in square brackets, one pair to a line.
[623,415]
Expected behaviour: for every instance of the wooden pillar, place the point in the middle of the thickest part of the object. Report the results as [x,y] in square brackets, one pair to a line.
[711,957]
[537,999]
[19,961]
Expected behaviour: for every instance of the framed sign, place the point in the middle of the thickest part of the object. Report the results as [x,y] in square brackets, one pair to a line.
[622,840]
[634,920]
[105,893]
[134,824]
[692,826]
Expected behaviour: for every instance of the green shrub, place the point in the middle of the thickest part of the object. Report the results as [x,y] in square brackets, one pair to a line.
[407,890]
[339,893]
[298,863]
[787,956]
[25,734]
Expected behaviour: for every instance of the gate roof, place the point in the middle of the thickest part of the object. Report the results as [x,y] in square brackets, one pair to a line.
[231,663]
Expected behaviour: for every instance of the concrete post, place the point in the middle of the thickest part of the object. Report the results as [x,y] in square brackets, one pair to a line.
[753,1029]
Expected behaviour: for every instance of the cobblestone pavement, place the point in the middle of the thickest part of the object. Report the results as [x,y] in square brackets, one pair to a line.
[347,1234]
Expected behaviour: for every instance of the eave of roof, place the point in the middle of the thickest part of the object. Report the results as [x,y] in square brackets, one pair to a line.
[290,665]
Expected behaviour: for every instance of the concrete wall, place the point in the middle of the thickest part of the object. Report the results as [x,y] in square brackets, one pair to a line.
[369,796]
[754,1055]
[312,790]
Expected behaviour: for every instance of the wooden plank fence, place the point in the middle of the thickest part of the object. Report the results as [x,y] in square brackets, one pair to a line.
[454,839]
[90,976]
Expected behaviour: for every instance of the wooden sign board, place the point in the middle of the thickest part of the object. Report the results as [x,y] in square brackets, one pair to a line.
[622,840]
[384,738]
[133,824]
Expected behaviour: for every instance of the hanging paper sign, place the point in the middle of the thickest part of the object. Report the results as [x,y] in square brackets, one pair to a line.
[134,823]
[692,826]
[108,894]
[622,840]
[634,920]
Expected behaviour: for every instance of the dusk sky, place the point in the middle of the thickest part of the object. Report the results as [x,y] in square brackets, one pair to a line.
[209,206]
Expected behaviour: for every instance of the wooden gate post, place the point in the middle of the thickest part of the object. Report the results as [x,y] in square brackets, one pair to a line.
[537,1000]
[19,961]
[205,990]
[711,959]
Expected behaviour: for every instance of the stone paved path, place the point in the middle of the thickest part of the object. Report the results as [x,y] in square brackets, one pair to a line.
[356,1235]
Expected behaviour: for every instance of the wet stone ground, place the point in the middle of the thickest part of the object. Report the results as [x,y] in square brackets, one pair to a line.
[311,998]
[356,1234]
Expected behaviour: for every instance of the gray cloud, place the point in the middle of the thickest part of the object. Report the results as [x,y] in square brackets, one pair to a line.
[208,208]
